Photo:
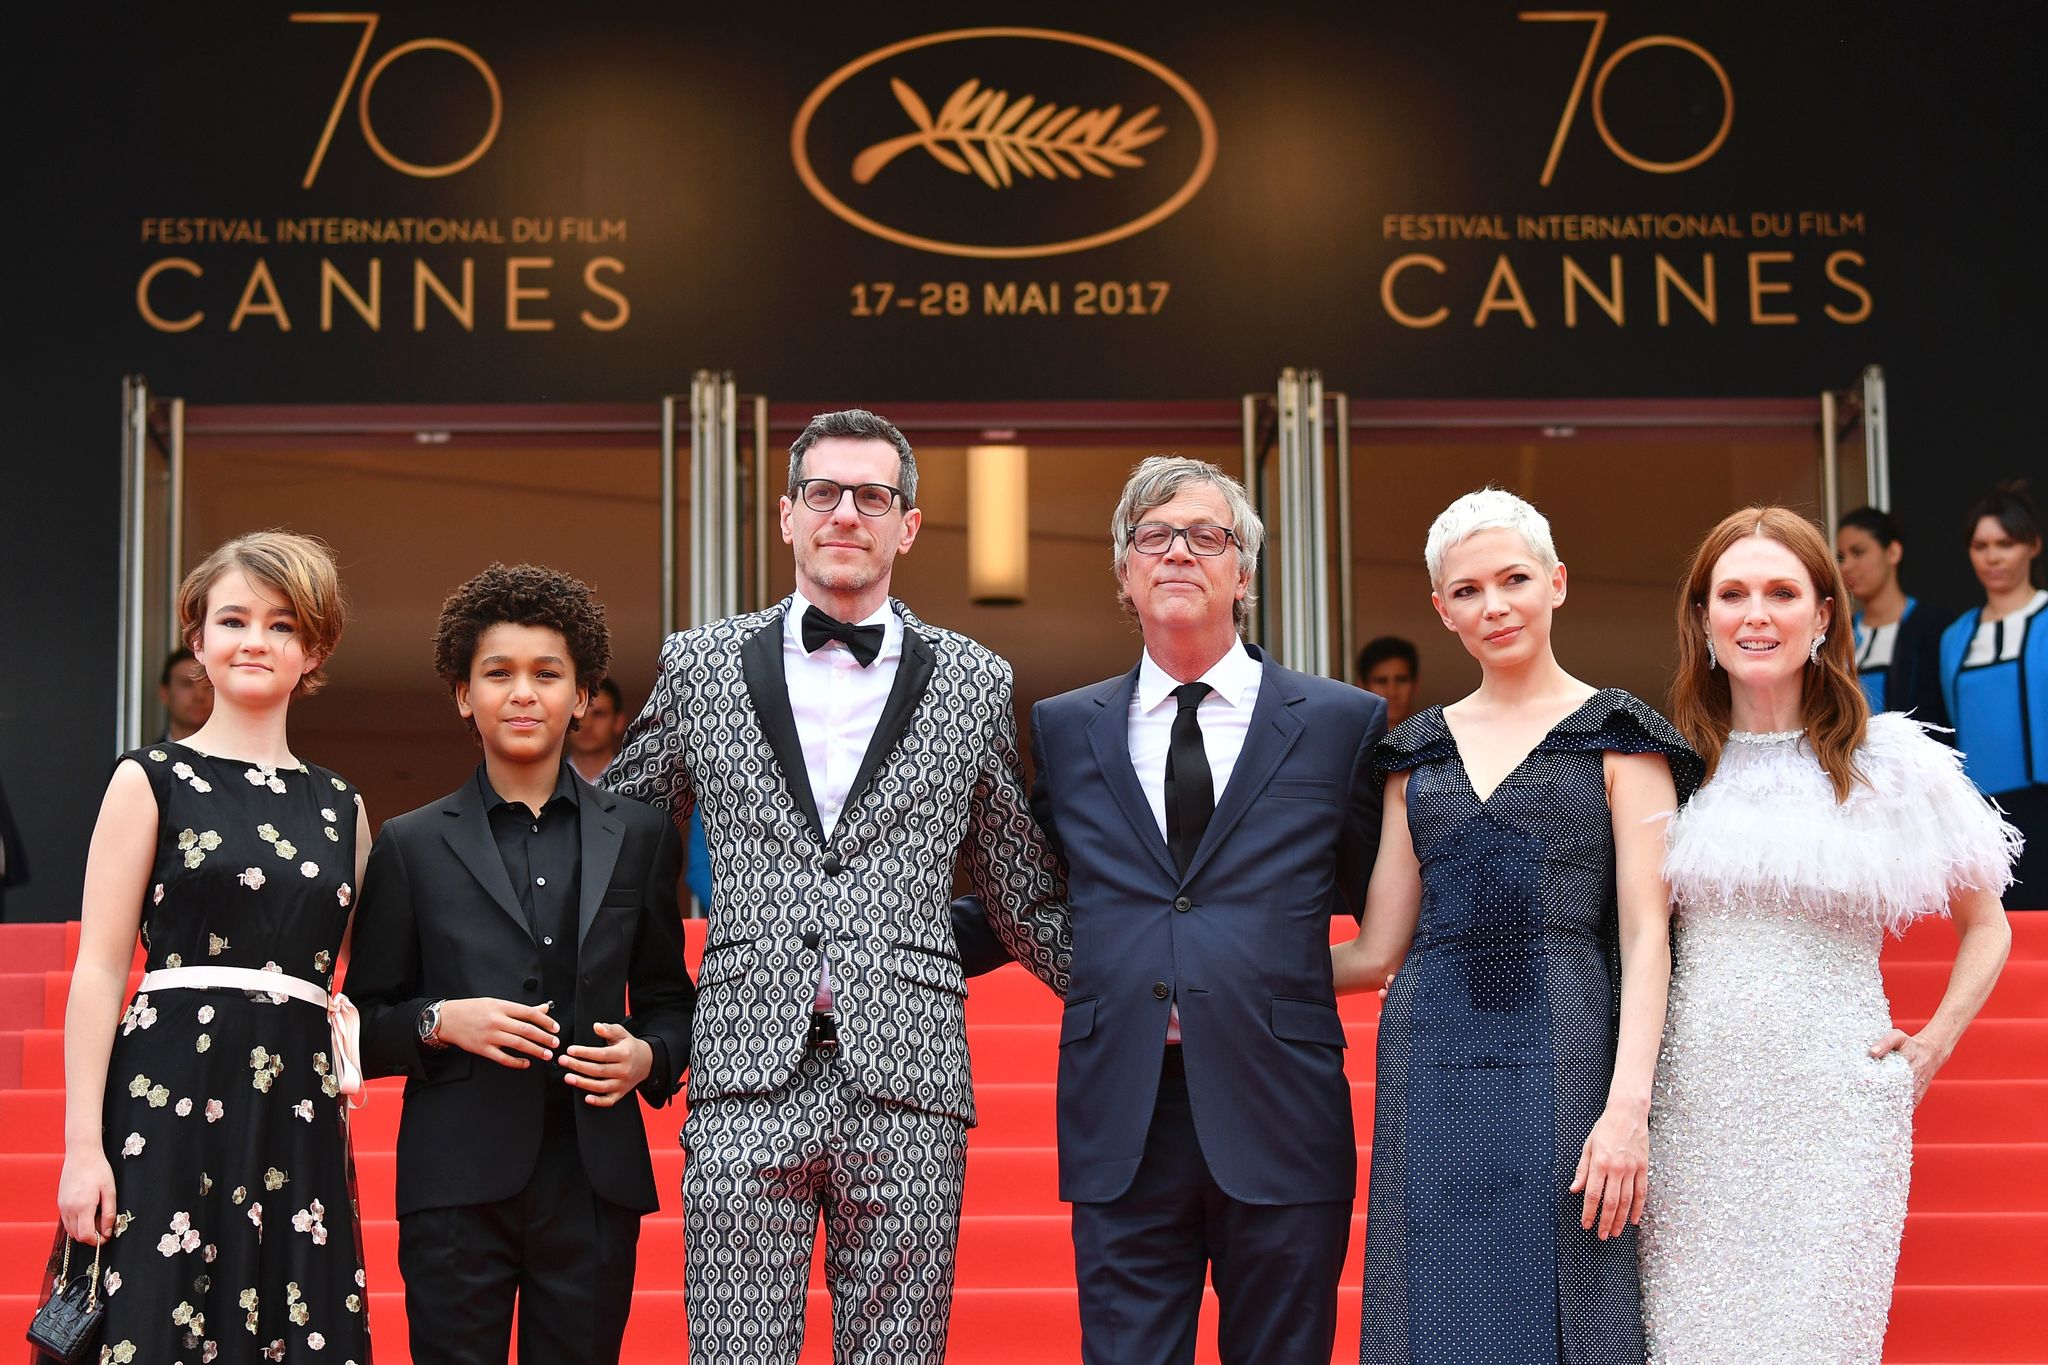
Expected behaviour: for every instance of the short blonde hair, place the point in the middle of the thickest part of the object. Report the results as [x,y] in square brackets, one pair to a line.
[299,568]
[1488,509]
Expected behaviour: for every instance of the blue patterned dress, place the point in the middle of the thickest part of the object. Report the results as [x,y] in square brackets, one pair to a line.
[1496,1048]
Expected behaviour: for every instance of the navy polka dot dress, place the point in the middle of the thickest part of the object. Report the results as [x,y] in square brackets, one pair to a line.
[1496,1048]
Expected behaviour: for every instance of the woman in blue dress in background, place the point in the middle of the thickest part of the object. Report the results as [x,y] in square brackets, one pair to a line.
[1517,890]
[1994,675]
[1898,638]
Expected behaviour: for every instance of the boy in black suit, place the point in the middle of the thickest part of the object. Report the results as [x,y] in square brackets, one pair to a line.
[498,934]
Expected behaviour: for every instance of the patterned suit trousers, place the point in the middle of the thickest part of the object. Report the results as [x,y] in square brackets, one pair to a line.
[759,1174]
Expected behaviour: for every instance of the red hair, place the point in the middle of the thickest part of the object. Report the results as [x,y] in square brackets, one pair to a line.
[1831,702]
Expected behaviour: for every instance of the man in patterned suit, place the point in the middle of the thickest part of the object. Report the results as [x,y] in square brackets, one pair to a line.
[1212,811]
[845,756]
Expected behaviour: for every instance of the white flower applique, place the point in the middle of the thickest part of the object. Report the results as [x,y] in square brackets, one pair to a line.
[196,846]
[214,1110]
[134,1145]
[343,893]
[216,944]
[311,1220]
[327,815]
[184,1107]
[182,1236]
[252,877]
[309,869]
[158,755]
[267,1068]
[190,778]
[303,1109]
[265,775]
[141,1014]
[113,1282]
[156,897]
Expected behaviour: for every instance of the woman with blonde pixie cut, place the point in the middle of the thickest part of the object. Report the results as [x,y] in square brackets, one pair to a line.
[1783,1120]
[1517,891]
[206,1160]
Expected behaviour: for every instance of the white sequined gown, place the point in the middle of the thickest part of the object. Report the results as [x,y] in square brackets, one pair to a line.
[1779,1149]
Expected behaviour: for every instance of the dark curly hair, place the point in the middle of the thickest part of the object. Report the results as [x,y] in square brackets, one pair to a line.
[523,595]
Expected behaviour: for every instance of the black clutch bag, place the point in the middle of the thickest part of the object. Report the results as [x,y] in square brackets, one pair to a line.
[67,1326]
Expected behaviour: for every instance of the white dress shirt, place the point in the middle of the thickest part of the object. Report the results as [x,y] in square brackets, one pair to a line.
[836,704]
[1225,716]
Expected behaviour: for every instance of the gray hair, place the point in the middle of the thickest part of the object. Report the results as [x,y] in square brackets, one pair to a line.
[857,424]
[1158,480]
[1489,509]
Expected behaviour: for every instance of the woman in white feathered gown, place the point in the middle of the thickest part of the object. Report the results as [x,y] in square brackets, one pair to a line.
[1782,1127]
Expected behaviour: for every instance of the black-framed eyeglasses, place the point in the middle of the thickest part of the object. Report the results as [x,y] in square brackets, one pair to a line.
[869,499]
[1156,538]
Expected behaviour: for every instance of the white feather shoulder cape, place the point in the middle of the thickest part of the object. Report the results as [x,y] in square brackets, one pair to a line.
[1913,831]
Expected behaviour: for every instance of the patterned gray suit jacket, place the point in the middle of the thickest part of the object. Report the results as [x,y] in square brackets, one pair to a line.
[941,781]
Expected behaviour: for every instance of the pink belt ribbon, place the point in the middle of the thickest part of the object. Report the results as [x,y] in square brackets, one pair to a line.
[344,1024]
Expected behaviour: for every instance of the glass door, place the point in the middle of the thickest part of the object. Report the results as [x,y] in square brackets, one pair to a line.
[152,555]
[1855,456]
[719,483]
[1297,460]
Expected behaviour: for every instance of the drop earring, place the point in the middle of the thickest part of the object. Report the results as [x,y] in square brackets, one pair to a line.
[1813,650]
[1712,662]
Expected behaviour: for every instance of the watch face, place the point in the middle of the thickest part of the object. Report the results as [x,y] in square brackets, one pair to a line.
[430,1019]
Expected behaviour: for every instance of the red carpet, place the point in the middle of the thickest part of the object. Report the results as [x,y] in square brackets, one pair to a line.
[1973,1275]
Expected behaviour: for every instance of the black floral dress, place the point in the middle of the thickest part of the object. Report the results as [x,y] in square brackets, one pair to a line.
[237,1237]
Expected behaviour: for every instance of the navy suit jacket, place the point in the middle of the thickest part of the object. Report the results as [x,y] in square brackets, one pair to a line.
[1242,942]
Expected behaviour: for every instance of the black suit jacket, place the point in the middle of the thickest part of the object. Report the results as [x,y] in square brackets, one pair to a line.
[438,919]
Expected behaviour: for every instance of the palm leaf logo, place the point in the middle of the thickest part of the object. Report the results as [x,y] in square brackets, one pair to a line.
[984,133]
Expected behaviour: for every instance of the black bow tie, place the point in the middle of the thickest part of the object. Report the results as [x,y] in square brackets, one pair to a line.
[864,642]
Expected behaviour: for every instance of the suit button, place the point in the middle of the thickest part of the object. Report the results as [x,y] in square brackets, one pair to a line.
[531,983]
[833,867]
[1159,991]
[1183,904]
[810,938]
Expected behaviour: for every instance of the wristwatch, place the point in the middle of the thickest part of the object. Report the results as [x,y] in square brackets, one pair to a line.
[430,1026]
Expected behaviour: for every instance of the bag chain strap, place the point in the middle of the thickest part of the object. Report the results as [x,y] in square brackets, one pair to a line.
[92,1290]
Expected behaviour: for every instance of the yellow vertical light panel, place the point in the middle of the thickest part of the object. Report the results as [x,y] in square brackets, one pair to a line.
[998,523]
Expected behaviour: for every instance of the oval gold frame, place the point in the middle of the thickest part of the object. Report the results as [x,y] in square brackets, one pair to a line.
[1173,205]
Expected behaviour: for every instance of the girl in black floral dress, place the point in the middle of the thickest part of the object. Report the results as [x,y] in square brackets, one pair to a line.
[206,1132]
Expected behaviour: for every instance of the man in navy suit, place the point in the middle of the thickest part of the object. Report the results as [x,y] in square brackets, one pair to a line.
[1212,811]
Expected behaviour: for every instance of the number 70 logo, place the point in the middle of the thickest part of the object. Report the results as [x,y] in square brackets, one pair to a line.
[377,69]
[1598,19]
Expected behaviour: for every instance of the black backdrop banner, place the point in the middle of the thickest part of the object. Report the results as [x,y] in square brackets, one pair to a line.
[469,202]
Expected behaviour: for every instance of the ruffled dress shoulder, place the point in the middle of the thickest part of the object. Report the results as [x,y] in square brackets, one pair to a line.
[1611,719]
[1912,832]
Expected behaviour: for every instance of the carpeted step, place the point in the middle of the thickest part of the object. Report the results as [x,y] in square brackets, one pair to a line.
[37,947]
[1915,989]
[1042,1326]
[1985,1324]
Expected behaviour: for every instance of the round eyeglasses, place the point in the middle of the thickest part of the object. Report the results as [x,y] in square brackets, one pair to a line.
[869,499]
[1156,538]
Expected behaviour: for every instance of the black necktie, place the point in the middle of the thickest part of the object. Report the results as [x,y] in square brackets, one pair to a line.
[1190,788]
[865,642]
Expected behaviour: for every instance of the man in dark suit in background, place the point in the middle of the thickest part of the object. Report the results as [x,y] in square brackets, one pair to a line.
[498,934]
[1212,811]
